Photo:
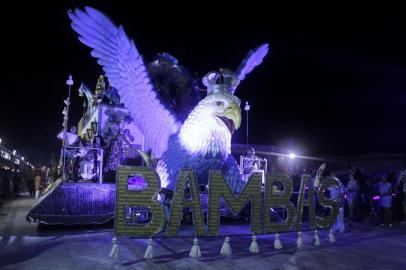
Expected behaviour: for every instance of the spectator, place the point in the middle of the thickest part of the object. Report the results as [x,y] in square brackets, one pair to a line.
[2,176]
[369,196]
[30,184]
[404,198]
[397,203]
[338,195]
[6,183]
[353,197]
[37,182]
[385,193]
[16,184]
[401,195]
[364,196]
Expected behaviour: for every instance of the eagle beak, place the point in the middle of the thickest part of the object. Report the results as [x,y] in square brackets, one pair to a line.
[232,114]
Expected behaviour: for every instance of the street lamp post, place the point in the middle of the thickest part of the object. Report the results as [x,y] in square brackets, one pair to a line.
[69,83]
[247,108]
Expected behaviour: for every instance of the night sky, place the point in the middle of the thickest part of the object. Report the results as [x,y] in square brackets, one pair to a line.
[333,84]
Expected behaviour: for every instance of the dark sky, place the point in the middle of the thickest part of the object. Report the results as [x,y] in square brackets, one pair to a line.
[334,84]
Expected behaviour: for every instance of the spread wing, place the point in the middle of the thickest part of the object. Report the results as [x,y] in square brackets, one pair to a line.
[251,60]
[126,71]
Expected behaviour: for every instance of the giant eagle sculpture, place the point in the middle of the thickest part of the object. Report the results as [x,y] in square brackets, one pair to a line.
[203,141]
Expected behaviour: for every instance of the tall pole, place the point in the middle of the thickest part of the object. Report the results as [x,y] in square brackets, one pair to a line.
[69,83]
[247,108]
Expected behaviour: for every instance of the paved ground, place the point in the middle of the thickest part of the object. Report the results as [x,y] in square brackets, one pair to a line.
[27,246]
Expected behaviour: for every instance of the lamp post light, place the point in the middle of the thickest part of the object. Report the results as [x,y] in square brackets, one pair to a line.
[14,152]
[69,83]
[0,140]
[292,157]
[247,108]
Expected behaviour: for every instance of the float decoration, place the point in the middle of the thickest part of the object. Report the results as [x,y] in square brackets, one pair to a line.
[193,154]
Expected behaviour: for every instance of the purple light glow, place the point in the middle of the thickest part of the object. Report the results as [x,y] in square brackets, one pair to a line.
[377,197]
[137,183]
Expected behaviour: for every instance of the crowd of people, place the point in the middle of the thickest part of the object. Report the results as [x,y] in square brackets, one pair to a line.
[83,158]
[14,183]
[363,197]
[11,182]
[370,197]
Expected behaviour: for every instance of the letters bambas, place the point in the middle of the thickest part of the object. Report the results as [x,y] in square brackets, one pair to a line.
[277,193]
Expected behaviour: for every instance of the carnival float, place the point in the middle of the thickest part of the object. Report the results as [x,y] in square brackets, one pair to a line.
[157,115]
[153,148]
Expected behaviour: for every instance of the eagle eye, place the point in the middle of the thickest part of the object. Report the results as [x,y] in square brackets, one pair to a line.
[219,103]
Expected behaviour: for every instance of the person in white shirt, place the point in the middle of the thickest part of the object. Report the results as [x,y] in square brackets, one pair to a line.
[385,192]
[72,140]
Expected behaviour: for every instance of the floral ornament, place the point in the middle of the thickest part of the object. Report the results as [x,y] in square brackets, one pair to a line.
[112,131]
[117,155]
[112,116]
[128,119]
[128,135]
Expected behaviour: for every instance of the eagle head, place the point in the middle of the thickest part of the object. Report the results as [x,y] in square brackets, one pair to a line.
[208,128]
